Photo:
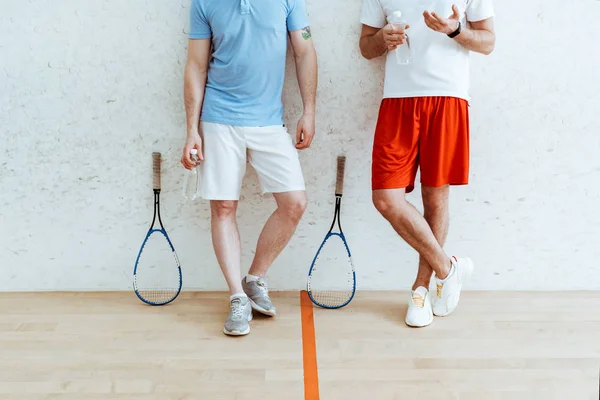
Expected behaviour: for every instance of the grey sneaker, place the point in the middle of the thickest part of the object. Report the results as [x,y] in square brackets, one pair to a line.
[239,315]
[258,292]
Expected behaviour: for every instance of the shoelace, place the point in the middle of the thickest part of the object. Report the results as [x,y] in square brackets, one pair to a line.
[418,300]
[237,310]
[264,289]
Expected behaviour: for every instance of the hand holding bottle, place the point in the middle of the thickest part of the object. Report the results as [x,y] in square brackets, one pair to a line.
[402,50]
[193,142]
[191,181]
[394,35]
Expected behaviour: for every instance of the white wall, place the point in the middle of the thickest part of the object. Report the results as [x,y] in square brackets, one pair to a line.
[89,89]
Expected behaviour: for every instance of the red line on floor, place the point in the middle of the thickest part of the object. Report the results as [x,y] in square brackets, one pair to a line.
[309,349]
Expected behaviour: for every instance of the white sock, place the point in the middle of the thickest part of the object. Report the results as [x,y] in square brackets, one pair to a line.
[242,295]
[251,278]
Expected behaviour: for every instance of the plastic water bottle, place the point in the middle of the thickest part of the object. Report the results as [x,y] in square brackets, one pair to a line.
[191,182]
[403,54]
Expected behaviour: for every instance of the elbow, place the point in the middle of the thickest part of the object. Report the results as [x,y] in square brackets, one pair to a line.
[485,50]
[362,49]
[298,57]
[193,67]
[305,54]
[365,53]
[489,49]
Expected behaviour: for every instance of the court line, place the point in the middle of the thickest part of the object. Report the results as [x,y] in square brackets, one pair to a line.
[309,348]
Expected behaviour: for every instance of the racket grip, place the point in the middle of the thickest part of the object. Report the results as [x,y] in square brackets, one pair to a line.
[339,182]
[156,158]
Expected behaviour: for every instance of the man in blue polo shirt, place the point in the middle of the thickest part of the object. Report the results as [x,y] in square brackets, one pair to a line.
[233,85]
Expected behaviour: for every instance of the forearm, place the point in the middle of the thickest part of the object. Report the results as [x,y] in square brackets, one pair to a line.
[373,46]
[307,72]
[479,41]
[193,92]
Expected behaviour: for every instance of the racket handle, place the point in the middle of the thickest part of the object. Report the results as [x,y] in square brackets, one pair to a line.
[339,182]
[156,158]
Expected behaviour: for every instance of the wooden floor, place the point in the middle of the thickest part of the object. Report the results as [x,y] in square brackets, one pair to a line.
[514,346]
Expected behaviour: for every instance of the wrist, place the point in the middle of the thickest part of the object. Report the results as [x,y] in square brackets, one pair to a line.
[456,31]
[380,38]
[309,112]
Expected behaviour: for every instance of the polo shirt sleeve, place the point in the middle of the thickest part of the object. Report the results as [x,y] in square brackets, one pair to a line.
[199,26]
[297,17]
[478,10]
[372,14]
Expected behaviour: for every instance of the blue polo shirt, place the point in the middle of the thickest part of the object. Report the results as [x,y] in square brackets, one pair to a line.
[246,72]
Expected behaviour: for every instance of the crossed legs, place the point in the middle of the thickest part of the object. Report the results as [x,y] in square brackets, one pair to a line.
[426,234]
[436,213]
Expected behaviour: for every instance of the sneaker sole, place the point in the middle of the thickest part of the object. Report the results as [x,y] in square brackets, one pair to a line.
[466,276]
[261,310]
[429,322]
[236,333]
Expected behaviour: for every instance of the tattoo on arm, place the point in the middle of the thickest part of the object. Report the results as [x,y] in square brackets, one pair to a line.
[306,33]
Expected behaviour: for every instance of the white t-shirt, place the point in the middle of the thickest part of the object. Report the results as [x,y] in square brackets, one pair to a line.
[440,66]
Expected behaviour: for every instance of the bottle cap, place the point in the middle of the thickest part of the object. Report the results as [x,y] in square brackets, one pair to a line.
[396,16]
[193,152]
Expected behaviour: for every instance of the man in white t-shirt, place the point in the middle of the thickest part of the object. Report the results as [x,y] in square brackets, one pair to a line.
[423,125]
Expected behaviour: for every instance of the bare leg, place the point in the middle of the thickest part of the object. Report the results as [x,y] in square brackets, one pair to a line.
[435,203]
[226,242]
[278,230]
[412,227]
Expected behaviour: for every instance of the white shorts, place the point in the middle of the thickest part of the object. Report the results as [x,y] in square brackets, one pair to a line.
[269,150]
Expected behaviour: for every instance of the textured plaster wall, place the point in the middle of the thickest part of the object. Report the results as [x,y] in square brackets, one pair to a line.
[89,89]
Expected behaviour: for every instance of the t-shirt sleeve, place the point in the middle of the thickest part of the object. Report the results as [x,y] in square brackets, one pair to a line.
[297,17]
[199,26]
[372,14]
[478,10]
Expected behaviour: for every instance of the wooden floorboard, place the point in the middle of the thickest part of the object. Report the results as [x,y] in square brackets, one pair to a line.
[102,345]
[499,345]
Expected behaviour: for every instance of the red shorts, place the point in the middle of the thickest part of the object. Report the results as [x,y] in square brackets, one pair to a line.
[430,133]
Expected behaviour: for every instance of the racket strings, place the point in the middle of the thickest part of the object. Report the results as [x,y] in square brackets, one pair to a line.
[332,281]
[330,298]
[158,278]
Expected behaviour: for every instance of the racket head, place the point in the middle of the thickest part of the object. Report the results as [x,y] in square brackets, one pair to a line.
[157,273]
[331,278]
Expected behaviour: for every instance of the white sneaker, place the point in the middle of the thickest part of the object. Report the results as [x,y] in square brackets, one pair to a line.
[448,290]
[419,312]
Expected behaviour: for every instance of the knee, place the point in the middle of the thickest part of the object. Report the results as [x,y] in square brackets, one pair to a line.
[382,204]
[223,209]
[387,205]
[294,209]
[435,200]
